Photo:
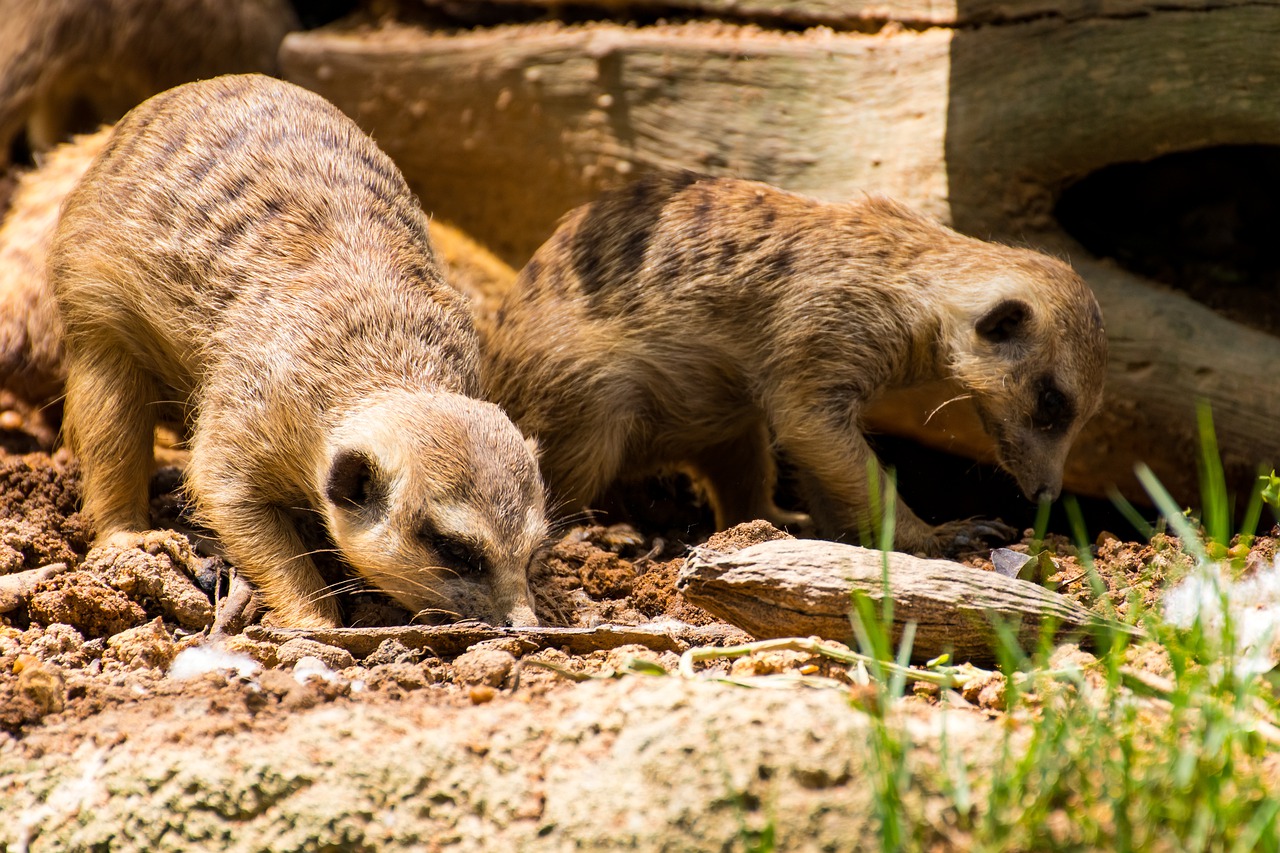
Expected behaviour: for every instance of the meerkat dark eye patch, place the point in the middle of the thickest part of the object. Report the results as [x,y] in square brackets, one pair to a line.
[353,481]
[457,553]
[1004,322]
[1054,410]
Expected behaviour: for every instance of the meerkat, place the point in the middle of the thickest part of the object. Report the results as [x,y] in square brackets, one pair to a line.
[703,322]
[67,66]
[242,259]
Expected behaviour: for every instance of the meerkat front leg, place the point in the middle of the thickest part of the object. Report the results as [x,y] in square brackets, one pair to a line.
[839,468]
[263,543]
[110,426]
[257,531]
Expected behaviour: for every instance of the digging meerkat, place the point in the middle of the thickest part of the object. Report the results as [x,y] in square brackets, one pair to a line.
[696,322]
[243,259]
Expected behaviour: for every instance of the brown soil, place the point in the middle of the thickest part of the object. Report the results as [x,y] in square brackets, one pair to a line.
[103,632]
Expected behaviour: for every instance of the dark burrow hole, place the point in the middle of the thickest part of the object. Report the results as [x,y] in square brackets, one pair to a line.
[1204,222]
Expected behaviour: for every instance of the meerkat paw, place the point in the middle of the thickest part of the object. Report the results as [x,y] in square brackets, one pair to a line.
[159,566]
[121,539]
[796,523]
[967,535]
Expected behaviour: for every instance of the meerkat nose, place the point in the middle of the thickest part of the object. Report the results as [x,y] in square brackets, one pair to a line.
[1046,494]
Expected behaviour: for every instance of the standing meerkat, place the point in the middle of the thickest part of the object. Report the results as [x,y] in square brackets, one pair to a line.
[243,259]
[693,321]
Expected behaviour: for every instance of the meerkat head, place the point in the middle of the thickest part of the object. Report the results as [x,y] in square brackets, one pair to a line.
[436,499]
[1029,346]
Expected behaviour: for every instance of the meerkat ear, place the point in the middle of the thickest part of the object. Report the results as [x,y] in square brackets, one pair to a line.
[532,443]
[351,482]
[1004,322]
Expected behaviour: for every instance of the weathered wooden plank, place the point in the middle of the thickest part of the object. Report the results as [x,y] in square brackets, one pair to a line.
[502,131]
[451,640]
[864,13]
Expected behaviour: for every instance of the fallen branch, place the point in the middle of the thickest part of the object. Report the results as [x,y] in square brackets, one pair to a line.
[16,589]
[789,588]
[948,677]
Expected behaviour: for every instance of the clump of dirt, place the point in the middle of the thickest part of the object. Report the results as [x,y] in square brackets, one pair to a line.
[656,596]
[38,691]
[87,603]
[39,501]
[744,536]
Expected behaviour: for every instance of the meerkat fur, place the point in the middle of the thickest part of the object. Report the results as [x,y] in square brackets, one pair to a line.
[708,323]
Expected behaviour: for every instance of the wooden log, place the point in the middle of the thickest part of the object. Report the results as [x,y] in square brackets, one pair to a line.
[503,130]
[856,14]
[804,587]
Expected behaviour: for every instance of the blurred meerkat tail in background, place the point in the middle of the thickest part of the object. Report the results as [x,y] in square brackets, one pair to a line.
[67,66]
[31,354]
[480,275]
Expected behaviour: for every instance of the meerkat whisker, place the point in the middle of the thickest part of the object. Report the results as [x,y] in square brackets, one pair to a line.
[433,611]
[946,403]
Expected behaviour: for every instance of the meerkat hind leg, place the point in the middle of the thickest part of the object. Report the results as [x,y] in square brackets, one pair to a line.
[740,476]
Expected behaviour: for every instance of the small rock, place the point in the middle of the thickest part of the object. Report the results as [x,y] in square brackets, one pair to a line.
[211,574]
[277,682]
[489,667]
[988,692]
[293,651]
[391,651]
[60,644]
[405,677]
[1009,563]
[315,683]
[42,684]
[264,653]
[148,646]
[312,667]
